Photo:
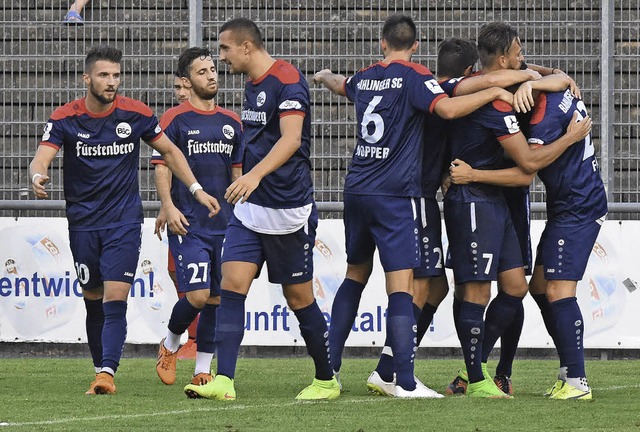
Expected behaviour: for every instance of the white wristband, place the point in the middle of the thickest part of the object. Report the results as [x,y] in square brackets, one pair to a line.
[33,179]
[195,187]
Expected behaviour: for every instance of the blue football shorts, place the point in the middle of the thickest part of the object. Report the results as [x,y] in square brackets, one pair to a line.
[197,260]
[430,234]
[106,255]
[289,257]
[520,211]
[482,240]
[386,222]
[564,250]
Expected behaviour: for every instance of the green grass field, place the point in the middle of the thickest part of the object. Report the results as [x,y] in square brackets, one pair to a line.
[48,394]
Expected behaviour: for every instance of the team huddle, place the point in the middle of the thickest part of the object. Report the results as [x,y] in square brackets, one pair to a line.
[245,198]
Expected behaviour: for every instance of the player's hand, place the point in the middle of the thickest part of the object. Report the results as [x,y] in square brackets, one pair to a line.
[318,78]
[176,221]
[242,188]
[578,129]
[461,172]
[523,98]
[575,90]
[37,185]
[161,223]
[208,201]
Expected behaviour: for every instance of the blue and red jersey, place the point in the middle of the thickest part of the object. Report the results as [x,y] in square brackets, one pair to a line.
[475,139]
[211,141]
[575,192]
[101,159]
[391,102]
[280,92]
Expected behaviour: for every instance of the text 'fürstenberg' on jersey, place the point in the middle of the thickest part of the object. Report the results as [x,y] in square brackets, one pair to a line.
[113,149]
[254,116]
[209,147]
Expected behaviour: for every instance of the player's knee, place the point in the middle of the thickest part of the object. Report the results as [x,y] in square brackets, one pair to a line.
[198,298]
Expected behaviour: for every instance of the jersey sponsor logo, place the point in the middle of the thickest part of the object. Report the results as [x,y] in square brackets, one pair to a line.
[196,147]
[193,132]
[228,131]
[113,149]
[290,104]
[433,86]
[379,85]
[47,131]
[512,124]
[123,130]
[372,152]
[254,116]
[261,99]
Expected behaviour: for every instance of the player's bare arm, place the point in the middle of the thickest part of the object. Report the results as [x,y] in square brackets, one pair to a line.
[460,106]
[169,213]
[39,168]
[334,82]
[534,159]
[287,145]
[176,162]
[462,173]
[524,97]
[500,78]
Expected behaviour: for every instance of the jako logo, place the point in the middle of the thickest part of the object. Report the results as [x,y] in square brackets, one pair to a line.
[123,130]
[194,132]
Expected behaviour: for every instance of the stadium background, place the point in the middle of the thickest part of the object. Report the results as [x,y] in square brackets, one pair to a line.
[596,42]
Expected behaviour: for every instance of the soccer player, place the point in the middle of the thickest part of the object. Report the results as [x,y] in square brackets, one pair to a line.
[210,138]
[482,240]
[275,216]
[188,350]
[505,314]
[576,209]
[392,99]
[100,134]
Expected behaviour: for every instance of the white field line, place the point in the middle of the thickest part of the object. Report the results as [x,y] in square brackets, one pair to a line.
[232,406]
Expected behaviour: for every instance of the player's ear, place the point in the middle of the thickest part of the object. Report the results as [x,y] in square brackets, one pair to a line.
[186,82]
[414,48]
[85,78]
[468,71]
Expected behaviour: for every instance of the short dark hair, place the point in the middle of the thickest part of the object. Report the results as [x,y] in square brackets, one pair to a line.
[399,31]
[103,52]
[495,39]
[187,57]
[454,56]
[243,29]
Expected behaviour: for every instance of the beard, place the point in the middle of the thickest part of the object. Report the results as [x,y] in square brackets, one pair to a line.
[101,98]
[204,93]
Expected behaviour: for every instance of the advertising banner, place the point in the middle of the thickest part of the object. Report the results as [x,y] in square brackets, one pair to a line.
[40,299]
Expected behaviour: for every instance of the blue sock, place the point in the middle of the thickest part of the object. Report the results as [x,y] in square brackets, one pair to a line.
[229,331]
[206,330]
[343,315]
[400,328]
[182,316]
[313,328]
[569,329]
[385,363]
[114,333]
[94,323]
[471,333]
[456,312]
[424,320]
[543,304]
[509,343]
[500,315]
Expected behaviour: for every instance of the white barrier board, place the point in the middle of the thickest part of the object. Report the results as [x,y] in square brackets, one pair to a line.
[40,299]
